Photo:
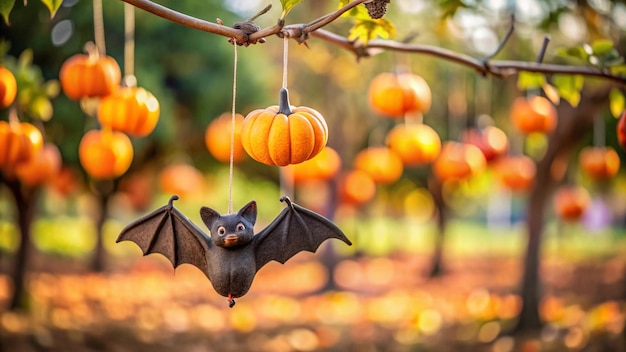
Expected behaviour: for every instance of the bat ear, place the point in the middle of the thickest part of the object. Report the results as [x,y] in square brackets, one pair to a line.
[209,216]
[248,212]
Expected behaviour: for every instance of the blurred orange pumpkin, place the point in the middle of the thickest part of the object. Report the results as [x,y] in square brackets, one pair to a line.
[132,110]
[393,95]
[8,87]
[516,172]
[181,179]
[491,140]
[356,187]
[284,134]
[570,202]
[458,161]
[105,154]
[382,164]
[600,163]
[43,167]
[414,144]
[19,142]
[534,114]
[86,76]
[218,136]
[323,166]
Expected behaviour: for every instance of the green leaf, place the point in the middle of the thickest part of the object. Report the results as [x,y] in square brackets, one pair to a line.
[617,102]
[287,6]
[5,9]
[357,12]
[619,70]
[601,47]
[368,29]
[52,5]
[569,87]
[576,52]
[530,80]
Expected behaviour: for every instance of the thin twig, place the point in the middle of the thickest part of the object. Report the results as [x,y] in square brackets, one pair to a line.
[502,43]
[544,47]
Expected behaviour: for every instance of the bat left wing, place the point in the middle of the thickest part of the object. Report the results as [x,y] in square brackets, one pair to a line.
[168,232]
[295,229]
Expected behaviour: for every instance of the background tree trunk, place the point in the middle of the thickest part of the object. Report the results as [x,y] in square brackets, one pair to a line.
[436,190]
[572,126]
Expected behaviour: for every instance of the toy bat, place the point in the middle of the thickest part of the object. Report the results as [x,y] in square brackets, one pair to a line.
[232,255]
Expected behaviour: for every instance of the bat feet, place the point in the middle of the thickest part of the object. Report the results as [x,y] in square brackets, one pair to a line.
[231,301]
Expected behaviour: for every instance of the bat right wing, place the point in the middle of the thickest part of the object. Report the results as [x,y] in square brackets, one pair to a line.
[168,232]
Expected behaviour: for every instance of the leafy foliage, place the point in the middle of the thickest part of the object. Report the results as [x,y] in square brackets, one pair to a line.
[568,87]
[7,5]
[365,28]
[617,102]
[287,6]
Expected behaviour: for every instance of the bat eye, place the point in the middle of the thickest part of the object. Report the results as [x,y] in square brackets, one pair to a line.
[221,230]
[240,227]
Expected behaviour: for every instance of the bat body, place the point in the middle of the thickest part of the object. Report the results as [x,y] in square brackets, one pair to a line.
[232,255]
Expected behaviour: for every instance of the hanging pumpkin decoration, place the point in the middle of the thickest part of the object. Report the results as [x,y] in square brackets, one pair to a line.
[570,202]
[19,142]
[599,163]
[87,76]
[43,167]
[491,141]
[621,130]
[534,114]
[218,137]
[8,87]
[516,173]
[415,144]
[393,95]
[382,164]
[458,161]
[105,154]
[356,187]
[323,166]
[284,134]
[132,110]
[171,176]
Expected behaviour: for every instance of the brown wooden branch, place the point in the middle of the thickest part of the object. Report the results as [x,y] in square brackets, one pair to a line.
[301,32]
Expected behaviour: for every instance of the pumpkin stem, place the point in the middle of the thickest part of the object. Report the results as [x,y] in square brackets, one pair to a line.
[283,102]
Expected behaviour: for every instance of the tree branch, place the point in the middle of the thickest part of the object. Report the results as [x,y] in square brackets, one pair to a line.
[301,32]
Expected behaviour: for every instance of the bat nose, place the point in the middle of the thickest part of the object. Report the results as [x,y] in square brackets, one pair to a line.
[231,240]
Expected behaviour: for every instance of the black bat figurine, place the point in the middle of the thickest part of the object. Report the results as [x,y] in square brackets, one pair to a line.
[233,254]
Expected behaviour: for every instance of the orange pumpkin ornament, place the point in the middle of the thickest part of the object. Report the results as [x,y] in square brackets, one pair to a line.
[600,163]
[218,136]
[323,166]
[459,161]
[86,76]
[105,154]
[181,179]
[132,110]
[516,173]
[8,87]
[356,187]
[392,95]
[19,142]
[491,140]
[534,114]
[570,202]
[414,144]
[382,164]
[284,134]
[43,167]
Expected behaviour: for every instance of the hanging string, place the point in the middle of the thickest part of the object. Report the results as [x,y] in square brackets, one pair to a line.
[232,132]
[98,27]
[285,58]
[129,46]
[286,178]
